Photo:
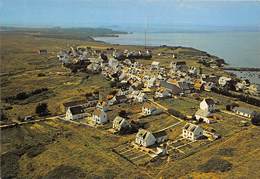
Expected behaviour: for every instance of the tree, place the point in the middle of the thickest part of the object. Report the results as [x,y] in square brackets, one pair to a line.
[123,114]
[42,109]
[256,120]
[2,115]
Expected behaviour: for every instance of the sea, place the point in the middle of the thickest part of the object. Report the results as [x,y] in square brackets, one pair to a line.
[238,49]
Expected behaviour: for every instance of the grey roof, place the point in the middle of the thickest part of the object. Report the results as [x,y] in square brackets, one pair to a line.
[74,103]
[76,110]
[190,127]
[244,110]
[174,88]
[210,101]
[180,63]
[185,86]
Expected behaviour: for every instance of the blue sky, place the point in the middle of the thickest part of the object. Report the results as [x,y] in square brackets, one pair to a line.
[95,13]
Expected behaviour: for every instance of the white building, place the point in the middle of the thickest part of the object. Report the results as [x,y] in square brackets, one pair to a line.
[120,123]
[75,112]
[99,116]
[145,138]
[149,109]
[223,80]
[208,105]
[155,65]
[203,115]
[192,132]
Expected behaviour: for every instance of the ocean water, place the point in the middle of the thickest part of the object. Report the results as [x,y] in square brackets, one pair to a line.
[239,49]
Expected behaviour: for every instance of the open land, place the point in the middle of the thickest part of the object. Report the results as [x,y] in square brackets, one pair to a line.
[53,148]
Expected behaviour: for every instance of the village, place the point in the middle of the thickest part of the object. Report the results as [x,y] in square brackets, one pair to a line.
[138,111]
[147,102]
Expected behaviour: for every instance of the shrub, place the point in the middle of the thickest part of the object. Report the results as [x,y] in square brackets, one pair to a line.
[2,115]
[41,74]
[228,152]
[42,109]
[66,171]
[35,150]
[9,165]
[256,120]
[176,113]
[21,96]
[215,165]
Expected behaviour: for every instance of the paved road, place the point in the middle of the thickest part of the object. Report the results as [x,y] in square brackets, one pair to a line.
[16,122]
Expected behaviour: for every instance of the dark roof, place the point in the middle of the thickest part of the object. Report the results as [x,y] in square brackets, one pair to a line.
[213,79]
[180,63]
[244,110]
[121,98]
[76,110]
[159,134]
[210,101]
[74,103]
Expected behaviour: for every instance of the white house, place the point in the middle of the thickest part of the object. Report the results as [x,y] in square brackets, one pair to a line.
[149,109]
[193,70]
[120,123]
[203,115]
[162,93]
[99,116]
[223,80]
[155,65]
[178,66]
[208,86]
[192,132]
[150,82]
[102,105]
[144,138]
[138,96]
[208,105]
[75,112]
[113,63]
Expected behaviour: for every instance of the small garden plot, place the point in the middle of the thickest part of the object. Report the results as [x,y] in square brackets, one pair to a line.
[177,143]
[186,148]
[131,154]
[175,154]
[228,126]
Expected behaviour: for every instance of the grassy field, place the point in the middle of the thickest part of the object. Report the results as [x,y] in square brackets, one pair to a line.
[55,148]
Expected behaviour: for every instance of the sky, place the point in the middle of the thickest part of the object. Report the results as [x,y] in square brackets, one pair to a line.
[114,13]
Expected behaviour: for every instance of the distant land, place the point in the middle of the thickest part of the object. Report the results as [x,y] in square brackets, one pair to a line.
[80,33]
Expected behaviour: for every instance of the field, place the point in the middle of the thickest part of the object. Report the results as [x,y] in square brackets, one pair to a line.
[55,148]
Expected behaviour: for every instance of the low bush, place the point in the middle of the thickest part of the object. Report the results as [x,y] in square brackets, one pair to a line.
[9,165]
[215,165]
[65,171]
[227,152]
[256,120]
[35,150]
[24,95]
